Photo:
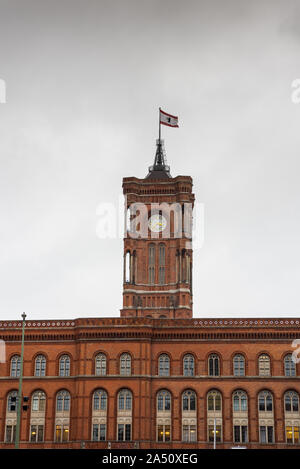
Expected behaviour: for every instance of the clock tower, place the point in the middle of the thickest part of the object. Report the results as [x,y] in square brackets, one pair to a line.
[158,243]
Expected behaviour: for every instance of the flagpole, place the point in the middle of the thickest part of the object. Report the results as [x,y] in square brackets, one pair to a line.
[159,126]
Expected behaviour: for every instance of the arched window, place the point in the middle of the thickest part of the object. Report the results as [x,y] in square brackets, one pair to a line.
[99,415]
[289,365]
[11,417]
[63,401]
[264,365]
[240,417]
[100,364]
[214,401]
[213,365]
[189,416]
[291,402]
[214,416]
[37,417]
[100,400]
[38,402]
[292,417]
[266,424]
[164,401]
[127,265]
[188,401]
[62,416]
[188,365]
[239,365]
[163,416]
[240,401]
[124,417]
[15,366]
[151,264]
[40,366]
[64,365]
[164,365]
[265,401]
[125,364]
[125,400]
[162,255]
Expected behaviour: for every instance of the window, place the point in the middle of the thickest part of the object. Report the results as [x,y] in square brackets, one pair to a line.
[239,401]
[125,364]
[188,401]
[151,252]
[10,433]
[100,400]
[239,365]
[64,365]
[12,401]
[63,401]
[188,365]
[266,434]
[100,365]
[291,402]
[292,434]
[15,366]
[164,365]
[99,432]
[289,366]
[214,401]
[264,365]
[162,256]
[38,402]
[164,401]
[40,366]
[163,433]
[213,365]
[240,433]
[11,417]
[61,433]
[36,433]
[265,402]
[127,267]
[211,431]
[124,432]
[125,400]
[189,433]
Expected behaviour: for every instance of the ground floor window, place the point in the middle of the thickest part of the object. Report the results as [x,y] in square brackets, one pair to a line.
[240,433]
[10,433]
[266,434]
[292,434]
[211,432]
[99,432]
[124,432]
[36,433]
[189,433]
[61,433]
[163,433]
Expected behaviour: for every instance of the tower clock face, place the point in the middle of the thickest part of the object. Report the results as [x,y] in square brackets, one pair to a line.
[157,223]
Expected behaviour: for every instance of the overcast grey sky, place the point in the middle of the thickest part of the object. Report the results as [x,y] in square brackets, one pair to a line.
[84,82]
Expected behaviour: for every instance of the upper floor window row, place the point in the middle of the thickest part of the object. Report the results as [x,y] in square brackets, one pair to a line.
[164,368]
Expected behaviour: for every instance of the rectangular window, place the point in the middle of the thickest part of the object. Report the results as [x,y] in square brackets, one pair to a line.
[99,432]
[240,433]
[266,434]
[124,432]
[211,433]
[58,433]
[189,433]
[163,433]
[10,433]
[292,434]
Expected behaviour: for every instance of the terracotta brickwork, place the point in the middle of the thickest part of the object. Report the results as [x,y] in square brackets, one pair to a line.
[145,340]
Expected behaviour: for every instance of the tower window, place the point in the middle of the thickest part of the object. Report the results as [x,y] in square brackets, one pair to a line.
[151,264]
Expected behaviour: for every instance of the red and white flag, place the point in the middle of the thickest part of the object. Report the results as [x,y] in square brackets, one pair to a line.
[168,119]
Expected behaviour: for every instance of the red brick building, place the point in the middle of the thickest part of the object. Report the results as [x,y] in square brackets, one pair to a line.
[155,377]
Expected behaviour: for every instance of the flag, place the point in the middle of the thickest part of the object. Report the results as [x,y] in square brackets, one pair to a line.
[168,119]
